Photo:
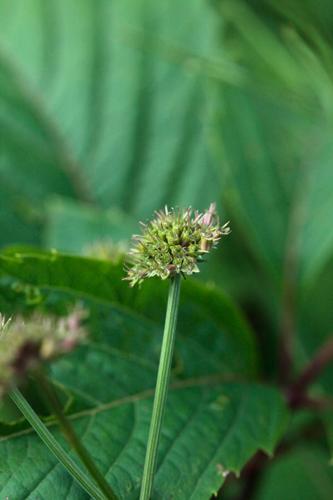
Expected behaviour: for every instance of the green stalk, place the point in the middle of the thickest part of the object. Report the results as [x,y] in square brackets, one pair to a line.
[56,407]
[53,445]
[161,390]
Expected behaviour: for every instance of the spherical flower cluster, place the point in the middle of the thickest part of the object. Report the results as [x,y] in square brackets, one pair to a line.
[173,243]
[26,343]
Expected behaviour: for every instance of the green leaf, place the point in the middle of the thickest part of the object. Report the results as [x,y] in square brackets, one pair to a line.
[211,427]
[73,226]
[316,239]
[261,45]
[8,412]
[279,196]
[306,472]
[214,421]
[207,433]
[103,280]
[90,277]
[216,311]
[18,218]
[92,120]
[256,184]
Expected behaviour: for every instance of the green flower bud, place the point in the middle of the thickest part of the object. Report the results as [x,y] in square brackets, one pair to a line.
[173,243]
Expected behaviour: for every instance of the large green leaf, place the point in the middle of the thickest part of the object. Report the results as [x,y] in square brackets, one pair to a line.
[215,419]
[90,277]
[211,427]
[254,190]
[273,149]
[207,433]
[103,280]
[105,101]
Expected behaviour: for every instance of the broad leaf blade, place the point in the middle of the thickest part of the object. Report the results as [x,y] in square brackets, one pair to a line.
[92,120]
[208,432]
[214,422]
[103,281]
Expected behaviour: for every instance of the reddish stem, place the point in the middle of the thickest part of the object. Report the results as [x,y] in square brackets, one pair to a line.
[297,393]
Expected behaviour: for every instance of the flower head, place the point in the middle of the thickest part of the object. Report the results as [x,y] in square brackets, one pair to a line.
[26,343]
[174,243]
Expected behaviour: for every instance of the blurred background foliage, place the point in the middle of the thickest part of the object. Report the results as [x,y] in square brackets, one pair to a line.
[111,109]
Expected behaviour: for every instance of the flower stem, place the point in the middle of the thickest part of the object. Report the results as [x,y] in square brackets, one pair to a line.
[161,387]
[53,445]
[56,407]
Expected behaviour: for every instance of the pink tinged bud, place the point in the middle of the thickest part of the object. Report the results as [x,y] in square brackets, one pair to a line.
[209,215]
[73,322]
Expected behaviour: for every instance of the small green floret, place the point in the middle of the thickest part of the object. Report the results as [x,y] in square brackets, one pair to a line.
[174,243]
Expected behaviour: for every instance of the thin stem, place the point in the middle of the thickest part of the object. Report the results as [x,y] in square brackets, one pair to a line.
[161,388]
[53,445]
[56,407]
[297,393]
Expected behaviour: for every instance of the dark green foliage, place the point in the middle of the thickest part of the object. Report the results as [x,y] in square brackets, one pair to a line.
[110,110]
